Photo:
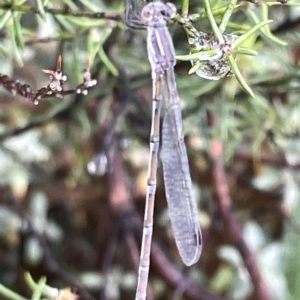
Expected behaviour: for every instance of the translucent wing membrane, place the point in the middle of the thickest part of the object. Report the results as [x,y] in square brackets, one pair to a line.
[179,192]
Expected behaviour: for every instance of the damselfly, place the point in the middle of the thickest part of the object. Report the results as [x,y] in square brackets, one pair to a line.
[179,191]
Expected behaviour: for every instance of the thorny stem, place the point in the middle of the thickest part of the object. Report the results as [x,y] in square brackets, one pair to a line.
[53,89]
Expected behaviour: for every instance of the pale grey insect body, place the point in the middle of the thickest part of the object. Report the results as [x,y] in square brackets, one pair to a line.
[179,192]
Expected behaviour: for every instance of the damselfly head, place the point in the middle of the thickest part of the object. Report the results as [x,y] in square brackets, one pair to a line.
[158,10]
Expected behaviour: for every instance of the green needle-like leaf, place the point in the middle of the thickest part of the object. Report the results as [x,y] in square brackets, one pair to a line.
[202,55]
[38,291]
[204,16]
[227,15]
[246,35]
[18,31]
[110,66]
[90,5]
[266,31]
[4,18]
[40,287]
[41,8]
[15,49]
[194,68]
[245,51]
[9,294]
[239,76]
[104,58]
[213,23]
[86,23]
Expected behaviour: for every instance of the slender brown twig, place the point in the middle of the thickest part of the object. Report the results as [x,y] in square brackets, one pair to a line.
[122,206]
[61,12]
[232,226]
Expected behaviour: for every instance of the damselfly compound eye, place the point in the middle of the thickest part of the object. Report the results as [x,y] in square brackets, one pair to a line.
[170,10]
[146,13]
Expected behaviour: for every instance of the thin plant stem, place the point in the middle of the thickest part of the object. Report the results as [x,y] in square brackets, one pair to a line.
[62,12]
[185,8]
